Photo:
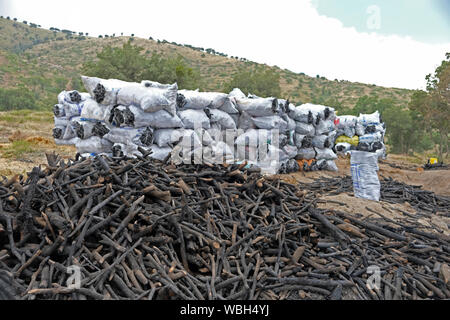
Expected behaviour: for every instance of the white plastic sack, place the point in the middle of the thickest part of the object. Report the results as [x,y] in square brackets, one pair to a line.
[260,107]
[237,93]
[160,153]
[369,119]
[93,145]
[324,127]
[140,137]
[95,111]
[245,121]
[371,138]
[158,120]
[364,167]
[105,91]
[322,141]
[343,147]
[72,97]
[188,99]
[306,154]
[218,153]
[193,119]
[58,110]
[305,129]
[359,129]
[149,99]
[326,154]
[154,84]
[61,121]
[299,140]
[319,111]
[223,119]
[72,110]
[270,122]
[166,137]
[290,151]
[66,142]
[301,114]
[346,121]
[255,137]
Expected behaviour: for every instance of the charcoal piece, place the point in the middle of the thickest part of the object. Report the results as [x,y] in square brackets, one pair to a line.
[75,97]
[146,137]
[181,100]
[100,129]
[99,93]
[57,133]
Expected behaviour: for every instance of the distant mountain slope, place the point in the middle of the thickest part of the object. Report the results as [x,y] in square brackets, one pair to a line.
[47,62]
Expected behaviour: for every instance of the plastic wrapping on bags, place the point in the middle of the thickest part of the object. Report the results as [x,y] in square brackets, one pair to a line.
[320,112]
[343,147]
[61,121]
[105,91]
[149,99]
[290,151]
[364,167]
[347,131]
[371,138]
[374,129]
[326,154]
[218,153]
[58,110]
[301,115]
[290,122]
[255,137]
[346,121]
[270,122]
[260,107]
[188,99]
[322,141]
[95,111]
[72,110]
[193,119]
[245,121]
[324,127]
[58,132]
[305,129]
[94,145]
[66,142]
[237,94]
[369,119]
[140,137]
[132,116]
[306,154]
[72,97]
[167,137]
[298,140]
[160,153]
[85,128]
[223,119]
[154,84]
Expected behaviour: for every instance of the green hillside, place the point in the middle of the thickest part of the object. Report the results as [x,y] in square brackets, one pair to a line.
[37,63]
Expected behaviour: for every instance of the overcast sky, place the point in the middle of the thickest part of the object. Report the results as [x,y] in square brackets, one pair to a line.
[383,42]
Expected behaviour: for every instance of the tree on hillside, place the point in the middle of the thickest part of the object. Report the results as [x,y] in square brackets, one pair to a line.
[261,82]
[434,104]
[128,64]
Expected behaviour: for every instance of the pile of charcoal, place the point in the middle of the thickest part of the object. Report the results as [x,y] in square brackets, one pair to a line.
[143,229]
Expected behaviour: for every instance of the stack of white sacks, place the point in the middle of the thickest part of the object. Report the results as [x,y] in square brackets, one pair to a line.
[121,118]
[363,133]
[314,136]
